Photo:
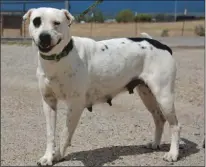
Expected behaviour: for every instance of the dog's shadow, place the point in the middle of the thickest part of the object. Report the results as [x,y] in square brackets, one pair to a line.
[101,156]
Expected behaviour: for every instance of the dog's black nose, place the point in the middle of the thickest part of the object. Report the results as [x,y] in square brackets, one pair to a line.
[45,39]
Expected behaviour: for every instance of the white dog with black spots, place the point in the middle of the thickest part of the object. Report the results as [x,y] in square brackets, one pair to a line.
[83,72]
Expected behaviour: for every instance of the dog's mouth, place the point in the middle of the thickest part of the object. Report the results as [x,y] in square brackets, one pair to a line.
[45,49]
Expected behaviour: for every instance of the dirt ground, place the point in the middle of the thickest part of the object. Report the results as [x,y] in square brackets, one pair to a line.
[121,29]
[109,135]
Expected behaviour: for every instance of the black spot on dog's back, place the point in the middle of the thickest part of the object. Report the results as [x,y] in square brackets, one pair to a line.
[153,42]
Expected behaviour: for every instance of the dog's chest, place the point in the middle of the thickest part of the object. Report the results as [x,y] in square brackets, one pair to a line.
[58,86]
[62,84]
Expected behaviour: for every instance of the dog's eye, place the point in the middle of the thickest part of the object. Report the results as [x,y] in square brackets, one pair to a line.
[37,22]
[56,23]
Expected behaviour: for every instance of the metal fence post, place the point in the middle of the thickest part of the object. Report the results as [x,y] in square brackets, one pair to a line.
[183,25]
[67,4]
[24,25]
[135,22]
[91,28]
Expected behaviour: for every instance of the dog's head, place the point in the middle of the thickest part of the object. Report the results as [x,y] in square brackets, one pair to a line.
[49,28]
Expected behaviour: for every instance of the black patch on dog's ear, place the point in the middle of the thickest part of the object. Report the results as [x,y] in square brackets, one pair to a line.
[106,46]
[153,42]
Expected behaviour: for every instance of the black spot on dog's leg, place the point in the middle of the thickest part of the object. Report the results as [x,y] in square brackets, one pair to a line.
[89,108]
[106,46]
[131,91]
[109,101]
[144,93]
[132,84]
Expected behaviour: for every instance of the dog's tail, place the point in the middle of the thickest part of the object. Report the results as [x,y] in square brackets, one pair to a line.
[144,34]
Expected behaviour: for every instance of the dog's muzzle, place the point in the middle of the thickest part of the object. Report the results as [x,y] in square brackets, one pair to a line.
[44,44]
[45,40]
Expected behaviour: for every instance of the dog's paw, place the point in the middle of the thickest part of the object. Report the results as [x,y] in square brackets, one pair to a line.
[46,160]
[153,145]
[57,156]
[170,157]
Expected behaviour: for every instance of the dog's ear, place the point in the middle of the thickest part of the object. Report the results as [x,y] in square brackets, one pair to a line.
[69,16]
[28,14]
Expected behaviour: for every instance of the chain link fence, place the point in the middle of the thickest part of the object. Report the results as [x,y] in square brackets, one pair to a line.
[13,27]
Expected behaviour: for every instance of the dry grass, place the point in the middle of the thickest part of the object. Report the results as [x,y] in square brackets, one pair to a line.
[121,29]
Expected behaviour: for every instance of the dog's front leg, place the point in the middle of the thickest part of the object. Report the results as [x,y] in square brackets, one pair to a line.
[49,107]
[73,115]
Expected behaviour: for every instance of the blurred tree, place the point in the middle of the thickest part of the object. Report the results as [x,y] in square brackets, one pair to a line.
[125,16]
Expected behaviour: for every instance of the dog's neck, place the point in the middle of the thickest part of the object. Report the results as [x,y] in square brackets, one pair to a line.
[56,57]
[50,67]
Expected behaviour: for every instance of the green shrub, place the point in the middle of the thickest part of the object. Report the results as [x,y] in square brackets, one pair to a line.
[98,17]
[143,18]
[165,33]
[201,17]
[200,30]
[125,16]
[164,17]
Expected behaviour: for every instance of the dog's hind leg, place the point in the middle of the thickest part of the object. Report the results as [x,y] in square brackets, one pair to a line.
[166,103]
[163,110]
[162,87]
[159,120]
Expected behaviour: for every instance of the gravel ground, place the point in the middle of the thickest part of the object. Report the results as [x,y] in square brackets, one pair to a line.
[107,136]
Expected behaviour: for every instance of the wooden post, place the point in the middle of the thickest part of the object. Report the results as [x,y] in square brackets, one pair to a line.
[183,26]
[2,25]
